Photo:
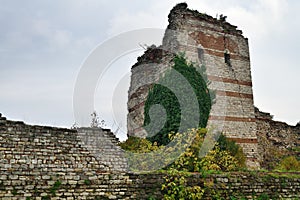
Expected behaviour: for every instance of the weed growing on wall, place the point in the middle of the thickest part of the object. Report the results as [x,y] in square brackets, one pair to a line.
[175,187]
[138,145]
[96,122]
[189,161]
[232,149]
[55,187]
[289,163]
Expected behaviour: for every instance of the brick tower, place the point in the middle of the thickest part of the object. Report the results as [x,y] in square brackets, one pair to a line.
[225,53]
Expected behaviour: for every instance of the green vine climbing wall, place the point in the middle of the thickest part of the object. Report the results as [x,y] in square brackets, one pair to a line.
[159,94]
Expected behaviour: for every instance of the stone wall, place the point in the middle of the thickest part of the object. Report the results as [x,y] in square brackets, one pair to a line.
[38,162]
[35,157]
[276,135]
[227,185]
[56,148]
[225,53]
[103,144]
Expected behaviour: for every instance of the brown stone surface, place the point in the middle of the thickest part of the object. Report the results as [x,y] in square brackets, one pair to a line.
[234,94]
[232,119]
[244,140]
[228,80]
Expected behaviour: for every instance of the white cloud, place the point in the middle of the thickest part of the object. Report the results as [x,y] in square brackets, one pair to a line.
[126,21]
[62,38]
[41,27]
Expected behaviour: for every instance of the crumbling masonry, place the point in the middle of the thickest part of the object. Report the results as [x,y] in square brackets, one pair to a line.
[225,53]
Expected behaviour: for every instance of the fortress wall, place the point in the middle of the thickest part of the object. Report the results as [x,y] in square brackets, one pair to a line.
[38,162]
[38,151]
[276,135]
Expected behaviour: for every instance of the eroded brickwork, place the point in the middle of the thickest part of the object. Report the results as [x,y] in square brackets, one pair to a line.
[276,135]
[224,51]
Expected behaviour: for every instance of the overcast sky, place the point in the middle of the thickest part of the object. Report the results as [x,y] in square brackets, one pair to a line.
[43,44]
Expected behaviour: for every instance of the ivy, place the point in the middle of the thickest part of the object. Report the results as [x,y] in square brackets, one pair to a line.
[163,96]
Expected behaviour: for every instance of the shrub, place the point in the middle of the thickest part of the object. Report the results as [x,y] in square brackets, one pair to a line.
[138,145]
[226,155]
[175,187]
[272,157]
[289,164]
[189,160]
[142,154]
[233,149]
[219,160]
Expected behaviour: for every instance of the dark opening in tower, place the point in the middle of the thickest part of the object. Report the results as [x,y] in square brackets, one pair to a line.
[227,58]
[201,54]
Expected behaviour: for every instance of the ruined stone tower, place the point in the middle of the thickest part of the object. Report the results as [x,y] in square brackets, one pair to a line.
[225,53]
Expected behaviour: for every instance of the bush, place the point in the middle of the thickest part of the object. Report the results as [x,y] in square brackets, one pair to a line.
[289,164]
[219,160]
[226,155]
[189,160]
[138,145]
[233,149]
[272,156]
[175,187]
